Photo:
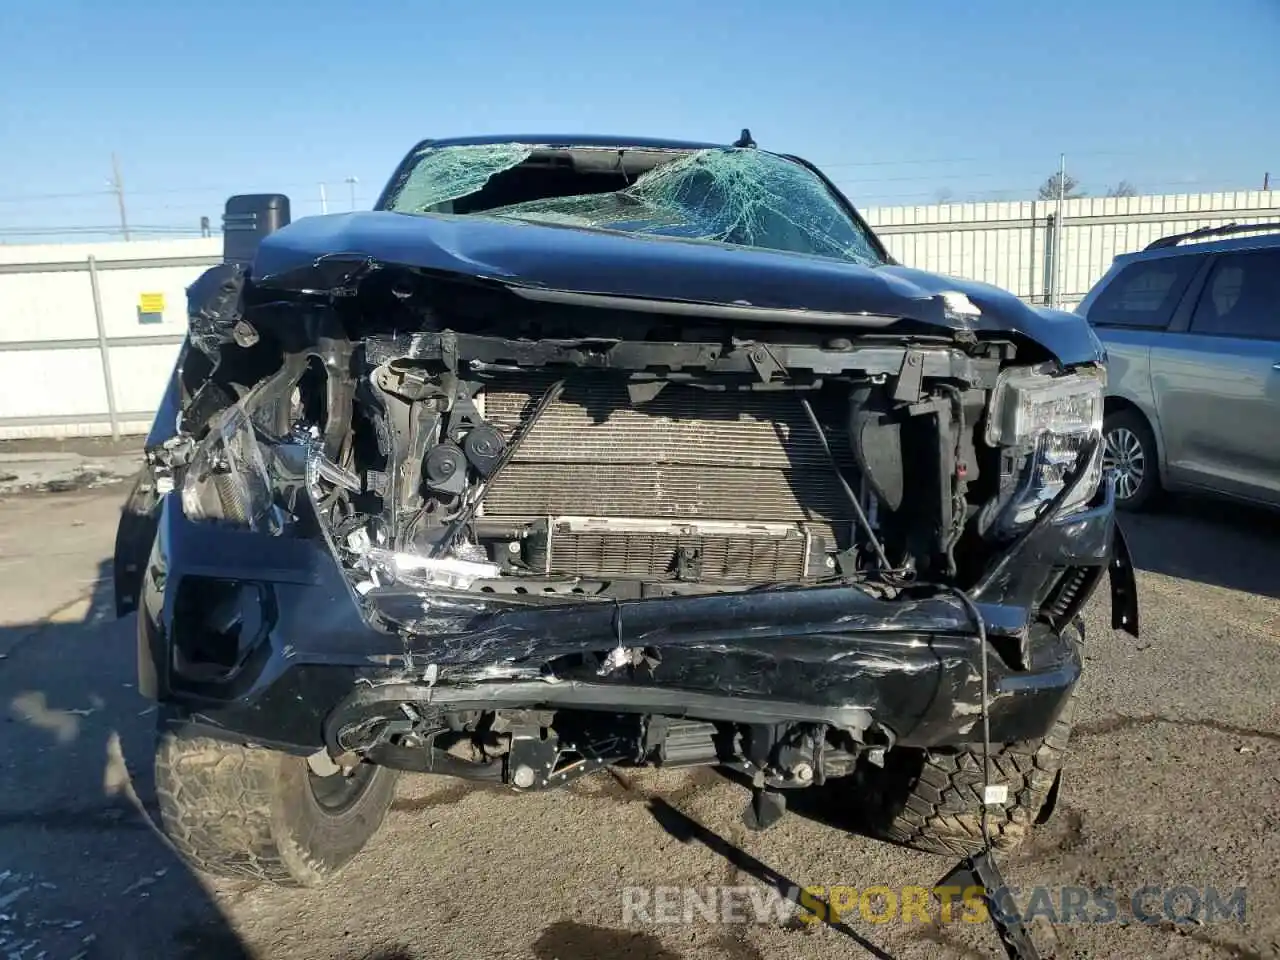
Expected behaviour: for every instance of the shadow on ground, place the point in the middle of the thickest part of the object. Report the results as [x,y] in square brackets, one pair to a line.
[685,829]
[1209,541]
[84,869]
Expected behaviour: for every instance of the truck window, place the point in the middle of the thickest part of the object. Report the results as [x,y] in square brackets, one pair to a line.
[1241,297]
[1144,294]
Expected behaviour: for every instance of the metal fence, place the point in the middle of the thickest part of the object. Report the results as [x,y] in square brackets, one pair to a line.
[88,334]
[1011,245]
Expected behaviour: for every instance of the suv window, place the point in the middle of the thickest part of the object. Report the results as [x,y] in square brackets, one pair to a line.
[1241,298]
[1144,294]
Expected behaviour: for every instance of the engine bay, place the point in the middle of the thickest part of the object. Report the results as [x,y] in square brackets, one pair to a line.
[588,483]
[540,447]
[573,469]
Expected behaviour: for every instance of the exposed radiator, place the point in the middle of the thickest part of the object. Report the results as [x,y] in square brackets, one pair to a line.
[687,453]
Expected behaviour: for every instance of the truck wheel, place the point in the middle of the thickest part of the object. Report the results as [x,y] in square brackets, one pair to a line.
[1129,452]
[245,812]
[931,800]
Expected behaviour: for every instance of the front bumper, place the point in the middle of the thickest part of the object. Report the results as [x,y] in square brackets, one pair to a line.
[827,654]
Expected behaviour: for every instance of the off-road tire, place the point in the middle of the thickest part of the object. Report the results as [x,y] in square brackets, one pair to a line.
[931,800]
[245,812]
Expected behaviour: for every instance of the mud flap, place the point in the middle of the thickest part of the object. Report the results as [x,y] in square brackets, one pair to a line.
[1021,941]
[136,533]
[1124,588]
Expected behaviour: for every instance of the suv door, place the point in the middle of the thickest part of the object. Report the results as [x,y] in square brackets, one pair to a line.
[1217,383]
[1130,309]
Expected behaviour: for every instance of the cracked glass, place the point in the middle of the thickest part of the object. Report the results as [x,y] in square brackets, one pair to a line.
[443,174]
[743,197]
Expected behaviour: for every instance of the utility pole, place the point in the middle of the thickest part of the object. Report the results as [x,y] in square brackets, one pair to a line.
[324,200]
[1266,181]
[352,181]
[1056,261]
[117,186]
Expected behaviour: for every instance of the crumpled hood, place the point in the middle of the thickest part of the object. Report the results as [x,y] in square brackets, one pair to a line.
[616,264]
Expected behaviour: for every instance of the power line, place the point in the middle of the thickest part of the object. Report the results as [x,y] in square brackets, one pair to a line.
[309,185]
[931,177]
[224,190]
[111,229]
[912,161]
[55,196]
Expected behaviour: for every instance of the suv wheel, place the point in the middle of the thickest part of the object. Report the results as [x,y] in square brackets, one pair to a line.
[245,812]
[1129,452]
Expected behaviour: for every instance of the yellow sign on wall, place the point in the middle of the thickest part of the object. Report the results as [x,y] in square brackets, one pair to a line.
[151,303]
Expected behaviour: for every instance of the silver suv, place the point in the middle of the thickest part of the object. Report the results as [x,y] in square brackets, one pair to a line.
[1192,328]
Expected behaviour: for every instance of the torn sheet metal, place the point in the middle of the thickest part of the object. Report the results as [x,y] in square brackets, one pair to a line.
[215,304]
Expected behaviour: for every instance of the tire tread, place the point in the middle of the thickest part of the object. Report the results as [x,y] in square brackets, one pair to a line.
[234,811]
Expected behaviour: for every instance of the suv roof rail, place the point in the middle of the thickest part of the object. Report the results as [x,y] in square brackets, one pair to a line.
[1174,239]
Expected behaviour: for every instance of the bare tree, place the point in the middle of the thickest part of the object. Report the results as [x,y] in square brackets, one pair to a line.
[1049,189]
[942,195]
[1122,189]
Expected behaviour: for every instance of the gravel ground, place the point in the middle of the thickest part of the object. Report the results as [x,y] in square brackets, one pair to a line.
[63,466]
[1174,780]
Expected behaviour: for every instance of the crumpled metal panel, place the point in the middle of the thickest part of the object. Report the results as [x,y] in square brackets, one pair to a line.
[214,306]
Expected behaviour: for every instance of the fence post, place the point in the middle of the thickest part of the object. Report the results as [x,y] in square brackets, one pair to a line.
[1055,259]
[1050,259]
[104,351]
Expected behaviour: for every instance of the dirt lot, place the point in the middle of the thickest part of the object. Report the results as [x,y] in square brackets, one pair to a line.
[1175,781]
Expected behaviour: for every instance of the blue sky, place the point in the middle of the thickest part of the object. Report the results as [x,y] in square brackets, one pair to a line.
[898,101]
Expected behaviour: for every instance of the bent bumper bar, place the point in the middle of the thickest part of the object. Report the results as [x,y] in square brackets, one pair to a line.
[830,655]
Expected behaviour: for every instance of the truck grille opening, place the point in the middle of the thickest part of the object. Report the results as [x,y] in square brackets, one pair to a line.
[739,461]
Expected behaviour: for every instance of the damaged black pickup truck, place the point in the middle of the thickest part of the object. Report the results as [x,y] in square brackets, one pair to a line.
[582,451]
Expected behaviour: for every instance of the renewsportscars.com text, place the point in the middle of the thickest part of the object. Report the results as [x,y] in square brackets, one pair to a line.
[917,904]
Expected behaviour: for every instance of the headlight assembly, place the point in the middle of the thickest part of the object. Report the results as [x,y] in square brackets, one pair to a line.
[1051,421]
[227,478]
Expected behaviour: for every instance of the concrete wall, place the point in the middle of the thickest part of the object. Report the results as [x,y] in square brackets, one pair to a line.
[52,381]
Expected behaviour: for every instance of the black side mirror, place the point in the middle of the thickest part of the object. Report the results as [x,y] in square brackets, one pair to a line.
[248,218]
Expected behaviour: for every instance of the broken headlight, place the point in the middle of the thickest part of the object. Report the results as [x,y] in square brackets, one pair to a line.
[1048,422]
[227,478]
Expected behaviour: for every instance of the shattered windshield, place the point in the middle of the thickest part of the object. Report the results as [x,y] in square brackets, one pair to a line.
[744,197]
[444,174]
